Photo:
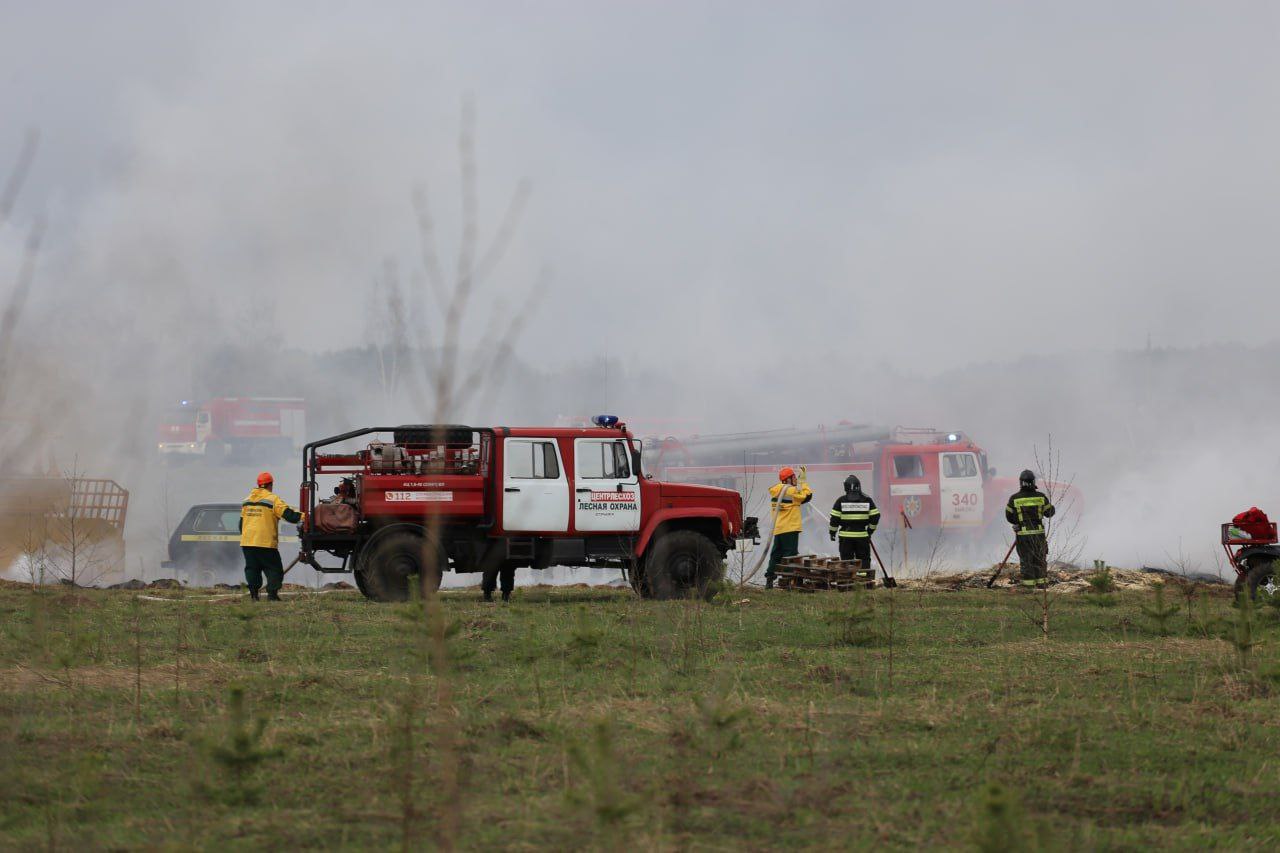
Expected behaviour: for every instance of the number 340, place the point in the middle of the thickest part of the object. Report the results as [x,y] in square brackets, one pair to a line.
[966,499]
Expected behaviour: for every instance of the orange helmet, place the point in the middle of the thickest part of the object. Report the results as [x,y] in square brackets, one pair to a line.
[265,479]
[785,474]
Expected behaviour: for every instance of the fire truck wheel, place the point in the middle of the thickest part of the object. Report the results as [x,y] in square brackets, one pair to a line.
[1262,581]
[682,564]
[391,560]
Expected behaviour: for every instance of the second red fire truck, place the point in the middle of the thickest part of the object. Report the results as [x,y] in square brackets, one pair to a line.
[939,481]
[233,429]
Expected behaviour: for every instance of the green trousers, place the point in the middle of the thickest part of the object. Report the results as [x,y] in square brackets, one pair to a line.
[784,545]
[263,561]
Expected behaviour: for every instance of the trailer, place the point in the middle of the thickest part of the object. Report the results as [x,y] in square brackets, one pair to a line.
[69,527]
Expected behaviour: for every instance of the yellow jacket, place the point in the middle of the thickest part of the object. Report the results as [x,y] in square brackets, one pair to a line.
[260,516]
[786,501]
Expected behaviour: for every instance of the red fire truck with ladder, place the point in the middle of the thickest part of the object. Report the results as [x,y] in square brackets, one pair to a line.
[939,480]
[473,499]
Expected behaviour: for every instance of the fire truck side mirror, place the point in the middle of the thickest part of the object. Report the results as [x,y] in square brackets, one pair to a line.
[991,473]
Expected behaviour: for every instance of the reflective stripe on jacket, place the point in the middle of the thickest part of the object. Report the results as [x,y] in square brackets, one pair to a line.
[260,516]
[854,516]
[1026,511]
[786,502]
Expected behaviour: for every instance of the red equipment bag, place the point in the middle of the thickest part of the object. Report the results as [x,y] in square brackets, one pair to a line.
[1254,522]
[335,517]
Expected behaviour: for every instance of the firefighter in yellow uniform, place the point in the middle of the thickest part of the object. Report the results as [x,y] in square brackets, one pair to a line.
[260,516]
[786,497]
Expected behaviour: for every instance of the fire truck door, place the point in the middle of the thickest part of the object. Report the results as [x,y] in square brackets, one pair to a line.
[961,490]
[606,490]
[535,491]
[204,425]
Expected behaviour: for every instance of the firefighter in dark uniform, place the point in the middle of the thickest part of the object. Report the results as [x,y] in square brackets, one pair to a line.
[489,582]
[1026,511]
[260,516]
[854,517]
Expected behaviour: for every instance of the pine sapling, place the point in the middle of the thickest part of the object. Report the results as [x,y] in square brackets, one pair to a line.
[1160,612]
[853,624]
[137,666]
[240,755]
[604,797]
[1001,825]
[720,720]
[1243,634]
[1102,581]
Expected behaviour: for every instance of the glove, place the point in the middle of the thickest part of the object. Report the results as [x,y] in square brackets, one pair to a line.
[833,536]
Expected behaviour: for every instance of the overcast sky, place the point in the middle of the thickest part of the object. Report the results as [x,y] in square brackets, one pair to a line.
[934,183]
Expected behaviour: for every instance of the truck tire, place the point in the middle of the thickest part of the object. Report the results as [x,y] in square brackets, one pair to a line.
[1261,581]
[359,578]
[387,564]
[682,564]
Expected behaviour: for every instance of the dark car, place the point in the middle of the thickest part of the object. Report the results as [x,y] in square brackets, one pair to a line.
[205,547]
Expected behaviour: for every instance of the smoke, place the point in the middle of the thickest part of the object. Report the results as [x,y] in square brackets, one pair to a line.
[968,218]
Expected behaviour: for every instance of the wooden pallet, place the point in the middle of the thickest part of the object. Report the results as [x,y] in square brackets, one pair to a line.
[812,573]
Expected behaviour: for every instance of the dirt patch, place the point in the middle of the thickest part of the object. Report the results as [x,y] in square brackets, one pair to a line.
[97,677]
[512,727]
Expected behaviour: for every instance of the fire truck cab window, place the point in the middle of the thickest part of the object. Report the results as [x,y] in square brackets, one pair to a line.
[908,466]
[604,460]
[532,460]
[959,465]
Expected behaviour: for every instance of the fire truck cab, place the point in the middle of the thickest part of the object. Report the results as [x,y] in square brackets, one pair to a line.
[440,497]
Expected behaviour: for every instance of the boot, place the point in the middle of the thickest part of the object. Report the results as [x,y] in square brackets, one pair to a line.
[488,595]
[506,595]
[253,594]
[272,595]
[768,583]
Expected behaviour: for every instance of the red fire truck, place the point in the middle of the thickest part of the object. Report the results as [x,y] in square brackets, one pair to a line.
[939,480]
[473,499]
[233,429]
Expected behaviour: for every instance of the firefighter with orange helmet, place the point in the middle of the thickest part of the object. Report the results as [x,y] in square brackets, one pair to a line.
[260,516]
[786,497]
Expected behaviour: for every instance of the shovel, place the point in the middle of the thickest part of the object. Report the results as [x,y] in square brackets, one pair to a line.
[1000,568]
[889,582]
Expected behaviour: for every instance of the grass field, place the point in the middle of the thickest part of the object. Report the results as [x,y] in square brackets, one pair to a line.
[576,718]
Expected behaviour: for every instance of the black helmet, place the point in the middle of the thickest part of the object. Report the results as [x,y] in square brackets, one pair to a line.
[852,484]
[1027,477]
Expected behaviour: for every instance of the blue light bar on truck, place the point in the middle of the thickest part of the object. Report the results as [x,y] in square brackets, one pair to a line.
[605,420]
